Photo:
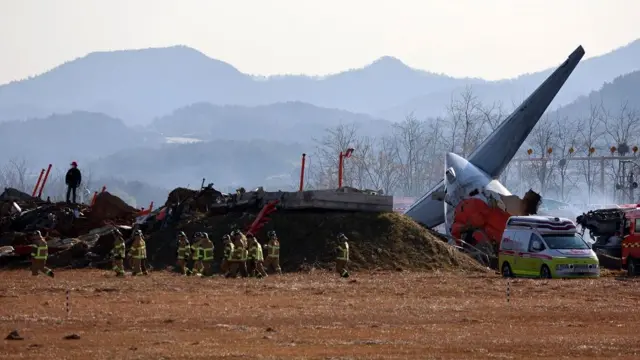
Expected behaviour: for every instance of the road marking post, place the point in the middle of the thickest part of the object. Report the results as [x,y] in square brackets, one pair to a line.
[508,290]
[68,304]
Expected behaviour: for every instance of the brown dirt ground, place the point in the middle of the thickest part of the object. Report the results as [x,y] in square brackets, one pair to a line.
[372,315]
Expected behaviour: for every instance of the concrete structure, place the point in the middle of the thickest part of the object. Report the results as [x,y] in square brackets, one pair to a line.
[330,200]
[493,155]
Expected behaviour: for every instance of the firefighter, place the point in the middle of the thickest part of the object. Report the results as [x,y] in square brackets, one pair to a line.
[251,256]
[119,253]
[273,252]
[237,256]
[39,254]
[143,261]
[206,254]
[196,255]
[228,252]
[242,260]
[245,255]
[343,255]
[256,258]
[184,252]
[137,252]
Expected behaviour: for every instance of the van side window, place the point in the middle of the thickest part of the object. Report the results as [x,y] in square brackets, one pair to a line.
[507,240]
[636,229]
[518,241]
[532,239]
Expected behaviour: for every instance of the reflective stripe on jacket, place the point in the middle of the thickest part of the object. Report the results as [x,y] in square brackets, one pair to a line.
[343,252]
[184,251]
[119,249]
[40,252]
[196,252]
[274,250]
[207,252]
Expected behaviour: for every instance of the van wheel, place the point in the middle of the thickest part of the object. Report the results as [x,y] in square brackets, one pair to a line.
[506,270]
[632,269]
[545,273]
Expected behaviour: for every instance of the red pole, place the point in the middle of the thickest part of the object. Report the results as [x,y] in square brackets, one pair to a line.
[44,181]
[95,195]
[302,172]
[151,206]
[104,188]
[35,188]
[340,170]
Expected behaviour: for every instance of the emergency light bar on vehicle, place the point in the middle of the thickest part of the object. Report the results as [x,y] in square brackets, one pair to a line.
[542,223]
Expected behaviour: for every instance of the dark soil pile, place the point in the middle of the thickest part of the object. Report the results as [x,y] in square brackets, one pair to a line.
[196,200]
[308,239]
[111,207]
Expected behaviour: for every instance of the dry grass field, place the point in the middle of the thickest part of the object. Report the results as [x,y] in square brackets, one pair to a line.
[377,315]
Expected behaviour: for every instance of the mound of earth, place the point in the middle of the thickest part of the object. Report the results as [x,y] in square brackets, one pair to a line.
[198,200]
[111,207]
[376,240]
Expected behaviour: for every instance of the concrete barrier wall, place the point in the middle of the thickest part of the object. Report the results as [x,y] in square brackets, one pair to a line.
[331,200]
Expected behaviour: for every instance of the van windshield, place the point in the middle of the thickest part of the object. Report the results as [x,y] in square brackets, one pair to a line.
[557,242]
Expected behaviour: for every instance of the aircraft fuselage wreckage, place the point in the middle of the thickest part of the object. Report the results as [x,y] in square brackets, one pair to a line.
[472,183]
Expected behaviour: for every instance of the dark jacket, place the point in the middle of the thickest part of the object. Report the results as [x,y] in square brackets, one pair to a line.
[73,177]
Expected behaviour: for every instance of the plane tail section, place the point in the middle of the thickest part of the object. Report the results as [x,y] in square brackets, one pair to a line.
[495,153]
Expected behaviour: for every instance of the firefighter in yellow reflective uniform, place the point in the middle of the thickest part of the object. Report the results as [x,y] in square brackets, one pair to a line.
[237,257]
[119,253]
[206,251]
[196,255]
[143,252]
[184,252]
[251,261]
[245,255]
[256,258]
[39,254]
[137,252]
[241,240]
[273,253]
[343,255]
[228,253]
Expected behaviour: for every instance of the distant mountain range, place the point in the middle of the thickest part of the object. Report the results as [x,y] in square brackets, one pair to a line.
[231,146]
[287,122]
[140,85]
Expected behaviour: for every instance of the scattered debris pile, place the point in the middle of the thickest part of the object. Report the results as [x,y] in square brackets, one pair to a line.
[75,234]
[81,236]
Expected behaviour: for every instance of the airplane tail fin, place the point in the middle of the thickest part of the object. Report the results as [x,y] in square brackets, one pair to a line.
[500,147]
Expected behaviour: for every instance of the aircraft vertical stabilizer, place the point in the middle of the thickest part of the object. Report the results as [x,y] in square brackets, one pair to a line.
[495,152]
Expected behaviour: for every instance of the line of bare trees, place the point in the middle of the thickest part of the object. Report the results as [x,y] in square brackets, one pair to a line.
[409,159]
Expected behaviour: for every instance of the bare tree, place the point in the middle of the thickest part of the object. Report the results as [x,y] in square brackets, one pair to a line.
[541,139]
[565,131]
[590,133]
[467,122]
[413,141]
[376,164]
[621,127]
[324,171]
[14,174]
[493,115]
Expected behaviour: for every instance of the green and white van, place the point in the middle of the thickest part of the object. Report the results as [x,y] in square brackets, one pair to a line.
[547,247]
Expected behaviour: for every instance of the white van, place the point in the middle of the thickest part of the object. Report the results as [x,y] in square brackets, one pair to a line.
[547,247]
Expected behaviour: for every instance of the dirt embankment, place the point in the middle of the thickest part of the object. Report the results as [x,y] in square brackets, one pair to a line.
[383,241]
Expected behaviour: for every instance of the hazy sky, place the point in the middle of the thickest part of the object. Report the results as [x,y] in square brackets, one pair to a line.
[487,38]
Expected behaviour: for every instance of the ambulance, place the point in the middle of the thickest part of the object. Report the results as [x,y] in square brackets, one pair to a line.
[546,247]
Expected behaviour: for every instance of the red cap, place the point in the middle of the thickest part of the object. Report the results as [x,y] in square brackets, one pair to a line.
[74,163]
